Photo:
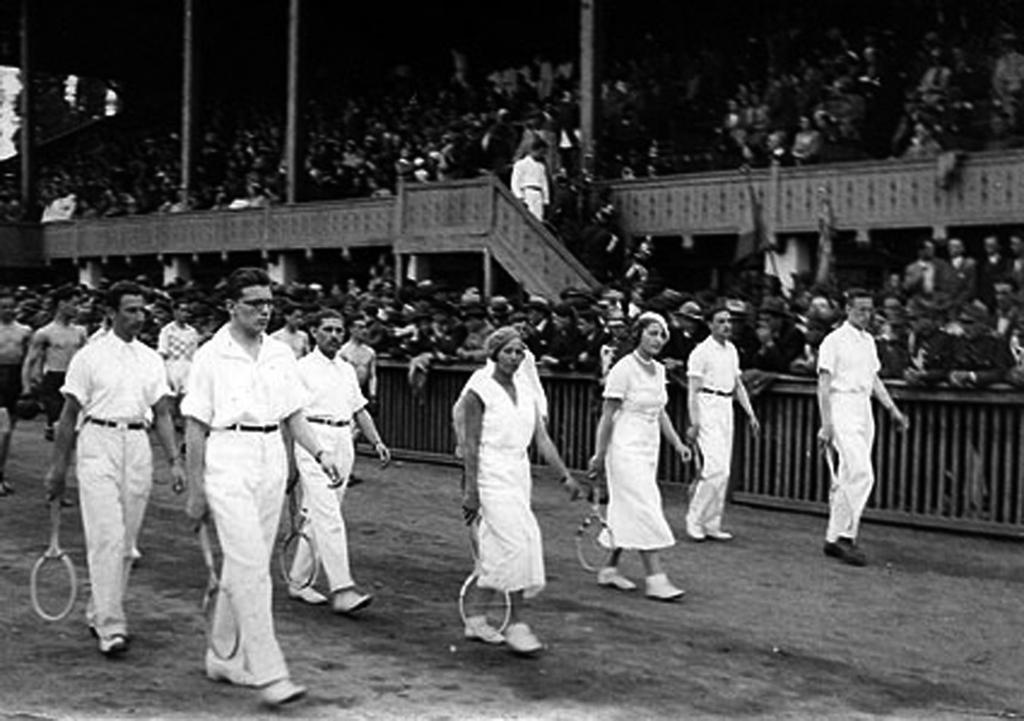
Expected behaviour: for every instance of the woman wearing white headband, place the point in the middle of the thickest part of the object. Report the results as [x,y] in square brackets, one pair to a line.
[633,420]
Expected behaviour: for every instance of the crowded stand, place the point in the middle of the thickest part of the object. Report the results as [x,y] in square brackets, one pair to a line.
[801,96]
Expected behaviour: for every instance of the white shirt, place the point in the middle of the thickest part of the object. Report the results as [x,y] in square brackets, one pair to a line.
[177,342]
[116,381]
[850,356]
[227,386]
[716,364]
[332,387]
[527,174]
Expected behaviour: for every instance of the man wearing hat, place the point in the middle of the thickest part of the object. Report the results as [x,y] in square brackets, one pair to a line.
[477,329]
[539,311]
[566,343]
[780,342]
[848,368]
[686,330]
[967,354]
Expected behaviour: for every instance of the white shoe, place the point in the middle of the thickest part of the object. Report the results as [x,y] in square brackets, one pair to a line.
[226,671]
[694,530]
[477,629]
[308,595]
[281,692]
[135,554]
[522,640]
[610,576]
[660,588]
[719,535]
[349,600]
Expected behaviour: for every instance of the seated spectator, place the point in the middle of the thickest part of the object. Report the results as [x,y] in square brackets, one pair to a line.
[807,143]
[592,338]
[779,341]
[966,354]
[1015,376]
[617,344]
[566,343]
[541,328]
[965,273]
[1008,78]
[477,328]
[928,275]
[806,364]
[686,329]
[1007,307]
[923,142]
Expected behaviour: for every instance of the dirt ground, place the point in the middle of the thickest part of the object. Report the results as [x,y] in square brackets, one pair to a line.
[769,627]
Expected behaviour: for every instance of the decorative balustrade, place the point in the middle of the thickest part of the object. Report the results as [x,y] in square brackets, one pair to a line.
[960,466]
[989,189]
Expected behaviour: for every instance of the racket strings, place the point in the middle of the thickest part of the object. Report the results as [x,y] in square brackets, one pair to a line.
[53,586]
[474,602]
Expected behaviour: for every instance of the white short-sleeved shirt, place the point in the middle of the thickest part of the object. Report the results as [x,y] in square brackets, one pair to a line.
[332,387]
[716,364]
[227,386]
[116,381]
[297,341]
[852,359]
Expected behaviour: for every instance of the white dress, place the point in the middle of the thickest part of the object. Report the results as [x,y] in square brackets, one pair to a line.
[635,516]
[510,550]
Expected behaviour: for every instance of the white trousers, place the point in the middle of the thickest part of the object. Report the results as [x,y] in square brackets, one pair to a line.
[245,479]
[854,436]
[115,476]
[534,200]
[322,506]
[715,442]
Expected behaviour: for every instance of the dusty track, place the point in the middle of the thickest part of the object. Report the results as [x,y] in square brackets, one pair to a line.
[769,627]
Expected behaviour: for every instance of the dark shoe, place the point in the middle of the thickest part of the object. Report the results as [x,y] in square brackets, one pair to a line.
[354,480]
[833,550]
[49,433]
[116,645]
[66,503]
[846,551]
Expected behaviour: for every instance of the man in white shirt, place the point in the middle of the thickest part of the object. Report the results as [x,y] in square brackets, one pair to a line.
[243,392]
[114,389]
[847,378]
[334,401]
[713,380]
[291,333]
[176,344]
[530,179]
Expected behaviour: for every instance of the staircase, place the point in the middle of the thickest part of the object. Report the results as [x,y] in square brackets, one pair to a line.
[482,215]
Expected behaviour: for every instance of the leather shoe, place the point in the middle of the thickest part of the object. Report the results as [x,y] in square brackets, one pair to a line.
[307,595]
[349,600]
[610,576]
[227,672]
[846,551]
[281,692]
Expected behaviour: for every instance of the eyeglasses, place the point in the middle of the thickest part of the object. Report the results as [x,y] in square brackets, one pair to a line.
[257,303]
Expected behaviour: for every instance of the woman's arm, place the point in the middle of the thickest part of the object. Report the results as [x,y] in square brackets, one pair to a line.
[550,454]
[604,433]
[473,415]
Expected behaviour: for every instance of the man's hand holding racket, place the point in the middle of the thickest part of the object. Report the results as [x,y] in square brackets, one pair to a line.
[574,488]
[55,481]
[470,504]
[195,505]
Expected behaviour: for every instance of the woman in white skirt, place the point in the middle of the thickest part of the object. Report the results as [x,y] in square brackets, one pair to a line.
[502,415]
[633,419]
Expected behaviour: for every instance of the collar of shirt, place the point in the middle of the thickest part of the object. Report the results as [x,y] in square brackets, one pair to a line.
[227,346]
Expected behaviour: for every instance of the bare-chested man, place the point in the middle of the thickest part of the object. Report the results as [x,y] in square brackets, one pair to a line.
[50,352]
[14,339]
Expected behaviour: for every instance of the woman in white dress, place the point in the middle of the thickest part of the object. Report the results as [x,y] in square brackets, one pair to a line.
[633,419]
[501,416]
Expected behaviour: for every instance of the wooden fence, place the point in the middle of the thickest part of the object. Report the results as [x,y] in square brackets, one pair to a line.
[960,466]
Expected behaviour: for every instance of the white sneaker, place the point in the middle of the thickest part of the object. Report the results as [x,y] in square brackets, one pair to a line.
[308,595]
[522,640]
[135,553]
[220,670]
[719,535]
[660,588]
[610,576]
[694,530]
[477,629]
[281,692]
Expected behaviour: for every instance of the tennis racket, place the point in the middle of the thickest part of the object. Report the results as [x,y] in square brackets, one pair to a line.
[493,605]
[298,543]
[53,584]
[216,594]
[594,539]
[697,459]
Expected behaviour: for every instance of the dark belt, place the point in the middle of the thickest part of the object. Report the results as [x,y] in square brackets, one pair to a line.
[329,422]
[533,187]
[716,392]
[247,428]
[120,425]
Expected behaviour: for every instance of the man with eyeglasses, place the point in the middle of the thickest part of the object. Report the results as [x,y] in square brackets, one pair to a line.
[334,401]
[243,394]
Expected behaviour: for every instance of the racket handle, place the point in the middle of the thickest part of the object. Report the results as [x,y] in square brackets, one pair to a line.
[55,526]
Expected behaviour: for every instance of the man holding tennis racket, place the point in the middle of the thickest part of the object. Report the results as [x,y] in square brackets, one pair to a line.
[114,390]
[243,392]
[713,380]
[334,401]
[847,378]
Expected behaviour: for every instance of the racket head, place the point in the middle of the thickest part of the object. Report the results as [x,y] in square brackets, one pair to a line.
[294,544]
[594,542]
[495,606]
[53,586]
[225,645]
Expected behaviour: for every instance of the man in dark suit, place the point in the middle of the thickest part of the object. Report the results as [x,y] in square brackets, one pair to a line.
[1016,261]
[995,266]
[928,275]
[965,271]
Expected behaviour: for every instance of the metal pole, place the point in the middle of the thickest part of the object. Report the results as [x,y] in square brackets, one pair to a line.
[29,211]
[588,85]
[187,102]
[291,141]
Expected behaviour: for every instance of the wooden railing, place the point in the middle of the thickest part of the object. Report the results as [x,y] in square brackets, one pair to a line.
[864,195]
[961,465]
